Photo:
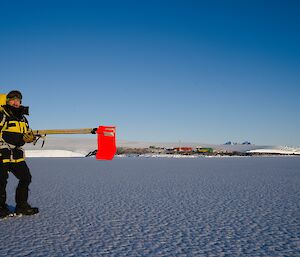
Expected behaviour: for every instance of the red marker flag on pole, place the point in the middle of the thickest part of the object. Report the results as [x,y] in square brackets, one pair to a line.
[106,143]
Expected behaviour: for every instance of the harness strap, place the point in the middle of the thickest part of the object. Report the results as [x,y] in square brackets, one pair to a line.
[2,123]
[4,145]
[9,158]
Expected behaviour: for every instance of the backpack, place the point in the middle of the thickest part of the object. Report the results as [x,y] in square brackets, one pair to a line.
[2,99]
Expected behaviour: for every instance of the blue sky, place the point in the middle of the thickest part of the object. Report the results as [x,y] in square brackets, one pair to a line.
[195,71]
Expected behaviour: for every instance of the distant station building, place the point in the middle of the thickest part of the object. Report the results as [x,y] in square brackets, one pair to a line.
[183,149]
[204,150]
[156,149]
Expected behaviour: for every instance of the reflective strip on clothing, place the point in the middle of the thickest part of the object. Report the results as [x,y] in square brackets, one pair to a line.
[13,161]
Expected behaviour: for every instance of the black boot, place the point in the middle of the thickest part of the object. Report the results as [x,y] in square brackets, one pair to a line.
[26,209]
[22,206]
[4,211]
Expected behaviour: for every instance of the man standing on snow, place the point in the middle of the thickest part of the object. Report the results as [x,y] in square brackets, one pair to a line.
[14,133]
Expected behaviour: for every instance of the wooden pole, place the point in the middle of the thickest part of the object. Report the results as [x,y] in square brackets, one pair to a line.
[65,131]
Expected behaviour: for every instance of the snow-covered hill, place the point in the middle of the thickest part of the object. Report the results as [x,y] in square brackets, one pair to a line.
[277,150]
[62,147]
[80,147]
[52,153]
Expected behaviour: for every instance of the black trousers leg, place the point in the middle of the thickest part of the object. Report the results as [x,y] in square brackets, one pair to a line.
[3,182]
[21,171]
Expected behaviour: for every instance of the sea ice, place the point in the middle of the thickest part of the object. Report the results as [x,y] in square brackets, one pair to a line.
[158,207]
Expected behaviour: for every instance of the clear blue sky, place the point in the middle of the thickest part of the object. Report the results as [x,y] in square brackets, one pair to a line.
[196,71]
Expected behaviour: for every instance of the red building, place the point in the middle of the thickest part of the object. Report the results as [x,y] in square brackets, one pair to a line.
[183,149]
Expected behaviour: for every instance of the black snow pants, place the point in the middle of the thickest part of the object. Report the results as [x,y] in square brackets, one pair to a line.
[21,172]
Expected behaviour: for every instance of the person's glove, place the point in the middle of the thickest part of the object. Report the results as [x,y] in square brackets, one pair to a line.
[29,137]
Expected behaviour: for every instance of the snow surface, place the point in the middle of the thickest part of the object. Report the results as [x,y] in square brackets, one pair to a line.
[52,153]
[158,207]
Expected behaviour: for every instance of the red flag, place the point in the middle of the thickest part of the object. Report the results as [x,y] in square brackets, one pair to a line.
[106,143]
